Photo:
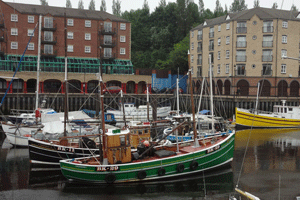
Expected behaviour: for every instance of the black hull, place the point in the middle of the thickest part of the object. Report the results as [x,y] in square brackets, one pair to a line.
[41,153]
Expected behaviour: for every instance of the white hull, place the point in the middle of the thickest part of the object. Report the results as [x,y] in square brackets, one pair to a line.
[19,141]
[21,130]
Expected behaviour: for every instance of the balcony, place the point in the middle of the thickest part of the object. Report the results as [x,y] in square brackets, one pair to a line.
[266,72]
[48,54]
[211,34]
[2,24]
[108,55]
[241,44]
[240,72]
[211,47]
[267,43]
[241,58]
[49,40]
[199,61]
[108,44]
[49,27]
[199,37]
[241,30]
[268,29]
[107,31]
[268,58]
[199,49]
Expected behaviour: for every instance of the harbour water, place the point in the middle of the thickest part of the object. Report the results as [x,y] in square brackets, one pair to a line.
[266,163]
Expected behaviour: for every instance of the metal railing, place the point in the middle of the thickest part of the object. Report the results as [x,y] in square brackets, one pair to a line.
[266,72]
[241,30]
[241,44]
[268,58]
[241,58]
[211,34]
[199,37]
[267,29]
[267,43]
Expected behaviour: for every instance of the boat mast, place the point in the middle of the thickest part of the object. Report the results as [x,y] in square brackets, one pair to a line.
[177,92]
[192,98]
[148,117]
[38,66]
[66,81]
[124,117]
[211,95]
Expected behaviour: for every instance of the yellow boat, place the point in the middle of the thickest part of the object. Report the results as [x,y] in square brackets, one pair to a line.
[282,117]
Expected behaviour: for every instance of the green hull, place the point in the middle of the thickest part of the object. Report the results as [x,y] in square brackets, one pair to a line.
[150,170]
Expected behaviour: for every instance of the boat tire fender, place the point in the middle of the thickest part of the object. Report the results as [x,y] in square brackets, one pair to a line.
[142,174]
[161,172]
[110,178]
[194,165]
[180,168]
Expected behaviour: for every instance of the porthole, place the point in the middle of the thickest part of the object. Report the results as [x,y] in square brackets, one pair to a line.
[254,37]
[253,66]
[254,22]
[254,51]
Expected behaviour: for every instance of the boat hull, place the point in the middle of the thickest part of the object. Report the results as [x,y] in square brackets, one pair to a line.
[43,153]
[18,141]
[179,165]
[246,119]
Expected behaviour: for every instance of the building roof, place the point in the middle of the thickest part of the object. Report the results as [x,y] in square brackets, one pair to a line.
[60,11]
[262,13]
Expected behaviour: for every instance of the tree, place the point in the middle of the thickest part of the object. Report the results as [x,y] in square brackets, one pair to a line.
[103,6]
[218,10]
[92,5]
[68,4]
[162,3]
[145,5]
[80,4]
[275,6]
[256,4]
[116,7]
[201,7]
[294,8]
[226,9]
[238,5]
[44,2]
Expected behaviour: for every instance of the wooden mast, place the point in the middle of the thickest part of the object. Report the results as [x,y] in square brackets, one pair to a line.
[192,98]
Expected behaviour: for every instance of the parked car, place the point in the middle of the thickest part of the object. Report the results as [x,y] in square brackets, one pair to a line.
[112,90]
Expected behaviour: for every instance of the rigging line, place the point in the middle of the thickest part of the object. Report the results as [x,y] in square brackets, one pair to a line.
[55,97]
[21,59]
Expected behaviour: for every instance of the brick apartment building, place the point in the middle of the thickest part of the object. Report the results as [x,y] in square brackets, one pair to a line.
[91,36]
[246,48]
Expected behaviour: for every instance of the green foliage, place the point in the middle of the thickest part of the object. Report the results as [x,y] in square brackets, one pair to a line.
[116,7]
[44,2]
[103,6]
[218,10]
[294,8]
[275,6]
[68,4]
[92,5]
[238,5]
[80,4]
[256,3]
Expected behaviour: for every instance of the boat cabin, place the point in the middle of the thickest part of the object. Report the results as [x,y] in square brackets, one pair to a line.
[284,111]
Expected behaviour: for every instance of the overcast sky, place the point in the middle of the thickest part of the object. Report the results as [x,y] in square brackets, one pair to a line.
[136,4]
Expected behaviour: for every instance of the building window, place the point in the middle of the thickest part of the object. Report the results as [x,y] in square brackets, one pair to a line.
[30,46]
[211,45]
[227,26]
[192,58]
[70,48]
[14,45]
[88,23]
[199,60]
[241,27]
[30,32]
[70,22]
[284,39]
[122,26]
[192,34]
[14,31]
[219,69]
[227,39]
[283,68]
[48,22]
[267,55]
[219,55]
[199,71]
[70,35]
[48,36]
[87,36]
[199,37]
[240,70]
[284,24]
[227,54]
[241,42]
[240,56]
[219,28]
[267,41]
[283,53]
[30,19]
[108,26]
[219,41]
[48,49]
[199,48]
[227,68]
[211,32]
[212,57]
[87,49]
[14,17]
[267,70]
[107,52]
[122,38]
[268,27]
[122,51]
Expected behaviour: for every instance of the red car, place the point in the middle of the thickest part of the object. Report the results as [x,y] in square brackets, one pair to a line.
[112,90]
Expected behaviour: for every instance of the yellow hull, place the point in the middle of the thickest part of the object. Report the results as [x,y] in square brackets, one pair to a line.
[246,119]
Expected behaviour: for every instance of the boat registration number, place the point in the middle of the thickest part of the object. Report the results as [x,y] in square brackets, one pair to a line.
[67,149]
[213,149]
[104,169]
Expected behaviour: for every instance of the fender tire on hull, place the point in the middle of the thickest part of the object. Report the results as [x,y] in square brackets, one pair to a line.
[110,178]
[161,172]
[180,168]
[141,174]
[194,165]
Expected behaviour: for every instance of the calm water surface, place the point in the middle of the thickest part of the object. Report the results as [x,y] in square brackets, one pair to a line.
[270,169]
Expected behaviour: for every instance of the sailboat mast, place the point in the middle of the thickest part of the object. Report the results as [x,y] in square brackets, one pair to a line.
[192,97]
[177,94]
[38,66]
[123,108]
[66,81]
[148,115]
[211,95]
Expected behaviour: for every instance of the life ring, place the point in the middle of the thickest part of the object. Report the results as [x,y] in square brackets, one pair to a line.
[110,178]
[194,165]
[27,135]
[141,174]
[180,168]
[161,172]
